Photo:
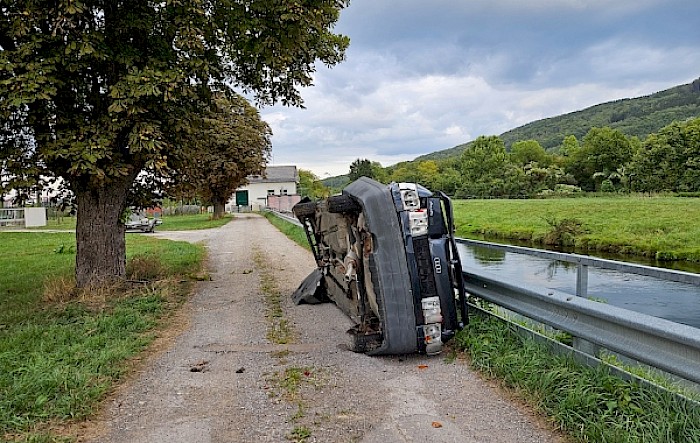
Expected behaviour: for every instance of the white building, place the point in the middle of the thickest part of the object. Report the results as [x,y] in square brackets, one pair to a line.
[277,187]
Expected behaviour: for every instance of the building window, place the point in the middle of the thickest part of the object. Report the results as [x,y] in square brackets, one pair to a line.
[270,192]
[284,192]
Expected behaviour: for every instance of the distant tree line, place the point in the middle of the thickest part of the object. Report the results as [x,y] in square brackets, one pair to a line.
[605,160]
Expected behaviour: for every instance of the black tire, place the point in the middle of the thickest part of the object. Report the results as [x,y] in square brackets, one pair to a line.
[364,343]
[305,209]
[342,203]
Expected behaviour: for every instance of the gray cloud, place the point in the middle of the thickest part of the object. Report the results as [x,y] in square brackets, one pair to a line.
[423,76]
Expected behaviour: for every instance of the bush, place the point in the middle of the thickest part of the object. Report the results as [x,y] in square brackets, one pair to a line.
[182,210]
[607,186]
[560,190]
[563,232]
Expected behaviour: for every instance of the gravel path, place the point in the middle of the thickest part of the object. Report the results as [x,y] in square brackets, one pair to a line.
[224,381]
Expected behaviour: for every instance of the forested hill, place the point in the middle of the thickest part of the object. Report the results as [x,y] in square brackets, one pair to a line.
[633,116]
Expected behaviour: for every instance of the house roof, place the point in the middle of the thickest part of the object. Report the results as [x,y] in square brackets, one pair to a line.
[276,174]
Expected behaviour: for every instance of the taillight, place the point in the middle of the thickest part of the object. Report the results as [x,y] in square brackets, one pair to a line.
[418,222]
[432,330]
[409,196]
[431,310]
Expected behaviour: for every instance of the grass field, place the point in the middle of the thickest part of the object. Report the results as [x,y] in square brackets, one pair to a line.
[665,228]
[61,354]
[191,222]
[170,222]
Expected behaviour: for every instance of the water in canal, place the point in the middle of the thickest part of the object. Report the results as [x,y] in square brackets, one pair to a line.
[678,302]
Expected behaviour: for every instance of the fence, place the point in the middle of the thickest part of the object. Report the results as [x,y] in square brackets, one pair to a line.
[663,344]
[584,261]
[12,217]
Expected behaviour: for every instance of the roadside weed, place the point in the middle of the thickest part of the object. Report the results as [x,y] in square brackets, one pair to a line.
[279,330]
[299,434]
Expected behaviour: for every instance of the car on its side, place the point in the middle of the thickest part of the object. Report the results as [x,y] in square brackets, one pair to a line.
[386,256]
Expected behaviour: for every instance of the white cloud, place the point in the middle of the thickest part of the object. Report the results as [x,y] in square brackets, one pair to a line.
[413,84]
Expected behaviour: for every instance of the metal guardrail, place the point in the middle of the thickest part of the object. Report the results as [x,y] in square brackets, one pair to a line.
[584,261]
[290,218]
[663,344]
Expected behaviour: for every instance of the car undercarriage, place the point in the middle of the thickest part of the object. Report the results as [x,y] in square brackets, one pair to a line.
[386,257]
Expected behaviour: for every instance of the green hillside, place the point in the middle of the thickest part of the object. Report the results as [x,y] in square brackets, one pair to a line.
[336,182]
[636,116]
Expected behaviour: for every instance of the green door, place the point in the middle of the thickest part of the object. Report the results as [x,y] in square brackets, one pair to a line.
[242,198]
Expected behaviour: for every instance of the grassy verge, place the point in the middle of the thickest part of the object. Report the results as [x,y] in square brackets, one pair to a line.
[61,350]
[65,223]
[589,404]
[292,231]
[664,228]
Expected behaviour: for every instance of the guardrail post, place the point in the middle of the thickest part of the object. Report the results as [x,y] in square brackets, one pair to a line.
[582,280]
[585,346]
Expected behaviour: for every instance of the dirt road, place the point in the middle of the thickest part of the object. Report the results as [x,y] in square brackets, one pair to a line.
[224,380]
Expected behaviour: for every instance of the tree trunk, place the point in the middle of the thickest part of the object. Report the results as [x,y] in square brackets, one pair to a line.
[100,234]
[219,208]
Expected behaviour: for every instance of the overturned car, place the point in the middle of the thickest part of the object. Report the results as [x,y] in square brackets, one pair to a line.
[387,258]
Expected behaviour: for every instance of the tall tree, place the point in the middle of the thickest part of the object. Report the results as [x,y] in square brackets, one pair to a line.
[360,168]
[529,151]
[232,143]
[485,167]
[310,185]
[603,152]
[427,173]
[569,146]
[379,173]
[449,178]
[97,92]
[484,158]
[669,160]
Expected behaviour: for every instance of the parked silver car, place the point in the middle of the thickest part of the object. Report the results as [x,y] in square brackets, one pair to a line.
[139,222]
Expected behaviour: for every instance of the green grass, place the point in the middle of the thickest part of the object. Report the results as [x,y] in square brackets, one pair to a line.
[170,222]
[279,330]
[192,222]
[58,360]
[291,230]
[664,228]
[589,404]
[59,223]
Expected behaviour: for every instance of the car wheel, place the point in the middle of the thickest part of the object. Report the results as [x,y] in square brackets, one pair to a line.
[364,343]
[343,203]
[304,209]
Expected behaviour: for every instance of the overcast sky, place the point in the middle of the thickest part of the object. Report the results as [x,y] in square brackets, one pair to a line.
[426,75]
